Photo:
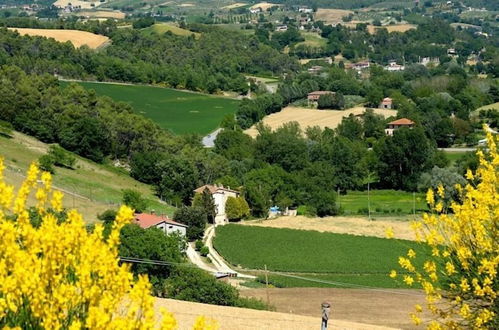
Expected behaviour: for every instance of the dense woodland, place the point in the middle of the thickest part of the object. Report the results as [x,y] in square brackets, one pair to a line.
[212,63]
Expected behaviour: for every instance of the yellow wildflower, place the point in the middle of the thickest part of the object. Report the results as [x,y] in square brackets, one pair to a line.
[389,232]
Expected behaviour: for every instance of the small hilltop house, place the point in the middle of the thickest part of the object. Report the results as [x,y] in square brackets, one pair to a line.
[313,97]
[220,195]
[387,103]
[398,124]
[167,225]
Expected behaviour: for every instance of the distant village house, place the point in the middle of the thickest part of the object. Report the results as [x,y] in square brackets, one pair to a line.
[359,66]
[220,195]
[398,124]
[167,225]
[314,96]
[305,10]
[387,103]
[315,70]
[393,66]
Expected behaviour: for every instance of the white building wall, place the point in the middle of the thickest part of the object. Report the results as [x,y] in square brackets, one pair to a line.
[169,228]
[220,199]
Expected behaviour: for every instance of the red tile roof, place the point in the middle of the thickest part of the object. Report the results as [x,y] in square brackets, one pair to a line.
[402,121]
[146,220]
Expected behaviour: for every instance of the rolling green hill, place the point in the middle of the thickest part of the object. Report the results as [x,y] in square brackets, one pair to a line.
[90,187]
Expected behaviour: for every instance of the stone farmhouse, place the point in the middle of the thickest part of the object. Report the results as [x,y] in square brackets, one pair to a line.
[220,195]
[387,103]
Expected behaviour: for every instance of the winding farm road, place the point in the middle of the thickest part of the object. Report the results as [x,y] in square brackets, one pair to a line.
[218,263]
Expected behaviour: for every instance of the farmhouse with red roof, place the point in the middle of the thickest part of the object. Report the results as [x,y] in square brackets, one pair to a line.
[397,124]
[167,225]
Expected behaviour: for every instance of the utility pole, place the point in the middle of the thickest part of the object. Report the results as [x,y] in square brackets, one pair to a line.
[267,285]
[339,199]
[368,201]
[414,203]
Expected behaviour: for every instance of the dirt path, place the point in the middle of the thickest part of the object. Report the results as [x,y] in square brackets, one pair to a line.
[388,308]
[342,225]
[233,318]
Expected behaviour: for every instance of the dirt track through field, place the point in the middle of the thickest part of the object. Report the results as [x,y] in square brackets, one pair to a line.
[77,38]
[341,225]
[232,318]
[381,307]
[309,117]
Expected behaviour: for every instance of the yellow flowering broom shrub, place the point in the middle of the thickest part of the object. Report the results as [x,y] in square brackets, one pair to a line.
[460,276]
[56,275]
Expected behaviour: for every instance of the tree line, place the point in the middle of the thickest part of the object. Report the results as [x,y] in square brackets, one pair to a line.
[217,61]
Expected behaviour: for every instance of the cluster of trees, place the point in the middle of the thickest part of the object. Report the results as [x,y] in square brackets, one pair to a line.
[79,121]
[214,62]
[176,278]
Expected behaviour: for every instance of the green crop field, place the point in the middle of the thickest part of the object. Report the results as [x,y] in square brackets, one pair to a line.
[331,281]
[178,111]
[383,202]
[290,250]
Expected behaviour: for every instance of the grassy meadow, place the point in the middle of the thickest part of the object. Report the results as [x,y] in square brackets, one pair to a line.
[383,202]
[90,187]
[301,251]
[162,28]
[178,111]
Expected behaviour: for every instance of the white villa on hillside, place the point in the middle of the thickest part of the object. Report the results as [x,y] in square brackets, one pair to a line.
[220,195]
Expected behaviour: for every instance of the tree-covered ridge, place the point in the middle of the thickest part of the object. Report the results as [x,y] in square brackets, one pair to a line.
[216,61]
[91,126]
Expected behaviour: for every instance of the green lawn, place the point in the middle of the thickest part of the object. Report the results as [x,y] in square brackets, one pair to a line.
[383,202]
[454,156]
[290,250]
[178,111]
[313,39]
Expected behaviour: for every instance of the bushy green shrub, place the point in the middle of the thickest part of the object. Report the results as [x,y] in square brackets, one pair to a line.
[46,163]
[204,251]
[198,245]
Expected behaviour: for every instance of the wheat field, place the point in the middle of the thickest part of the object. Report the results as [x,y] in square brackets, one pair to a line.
[77,38]
[310,117]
